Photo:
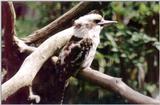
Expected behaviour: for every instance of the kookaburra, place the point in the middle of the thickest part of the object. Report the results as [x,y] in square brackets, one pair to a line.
[79,52]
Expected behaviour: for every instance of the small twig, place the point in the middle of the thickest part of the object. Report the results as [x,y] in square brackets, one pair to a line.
[23,47]
[32,96]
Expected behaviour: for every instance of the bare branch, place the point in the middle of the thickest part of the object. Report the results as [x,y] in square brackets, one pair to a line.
[29,68]
[23,47]
[8,14]
[62,22]
[10,48]
[116,85]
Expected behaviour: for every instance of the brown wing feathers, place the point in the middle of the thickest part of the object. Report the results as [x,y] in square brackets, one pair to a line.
[73,55]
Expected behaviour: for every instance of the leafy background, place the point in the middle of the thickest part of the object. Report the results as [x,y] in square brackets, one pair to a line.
[129,49]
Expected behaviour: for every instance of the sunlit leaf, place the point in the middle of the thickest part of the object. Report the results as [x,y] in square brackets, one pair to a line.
[157,45]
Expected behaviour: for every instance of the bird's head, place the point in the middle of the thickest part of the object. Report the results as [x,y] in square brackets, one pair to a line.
[91,22]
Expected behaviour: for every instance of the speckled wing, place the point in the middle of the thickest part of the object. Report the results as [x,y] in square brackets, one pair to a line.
[72,57]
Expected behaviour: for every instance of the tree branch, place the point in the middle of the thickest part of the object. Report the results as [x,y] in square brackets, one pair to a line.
[8,14]
[62,22]
[23,47]
[116,85]
[27,71]
[11,55]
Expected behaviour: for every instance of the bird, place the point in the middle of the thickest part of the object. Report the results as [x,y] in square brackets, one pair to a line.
[80,50]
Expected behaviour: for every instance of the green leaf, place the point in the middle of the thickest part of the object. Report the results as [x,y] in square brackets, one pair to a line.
[156,8]
[157,45]
[113,43]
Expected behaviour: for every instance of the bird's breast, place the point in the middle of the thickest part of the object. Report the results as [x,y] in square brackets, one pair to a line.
[89,58]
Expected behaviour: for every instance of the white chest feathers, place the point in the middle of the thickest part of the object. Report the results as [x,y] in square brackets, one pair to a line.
[94,35]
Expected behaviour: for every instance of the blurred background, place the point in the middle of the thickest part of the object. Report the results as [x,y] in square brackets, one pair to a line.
[129,49]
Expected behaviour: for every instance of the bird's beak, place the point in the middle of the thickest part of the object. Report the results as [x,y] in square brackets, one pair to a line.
[106,22]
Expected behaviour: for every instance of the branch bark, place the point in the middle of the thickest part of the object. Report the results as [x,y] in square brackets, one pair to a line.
[27,71]
[9,32]
[62,22]
[23,47]
[116,85]
[12,58]
[11,54]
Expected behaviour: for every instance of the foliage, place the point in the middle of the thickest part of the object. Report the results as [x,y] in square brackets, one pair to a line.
[39,14]
[123,52]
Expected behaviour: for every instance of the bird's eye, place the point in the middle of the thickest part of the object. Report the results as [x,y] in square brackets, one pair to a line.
[97,21]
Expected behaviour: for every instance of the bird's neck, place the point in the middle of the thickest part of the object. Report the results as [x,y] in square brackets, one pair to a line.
[87,33]
[80,33]
[93,34]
